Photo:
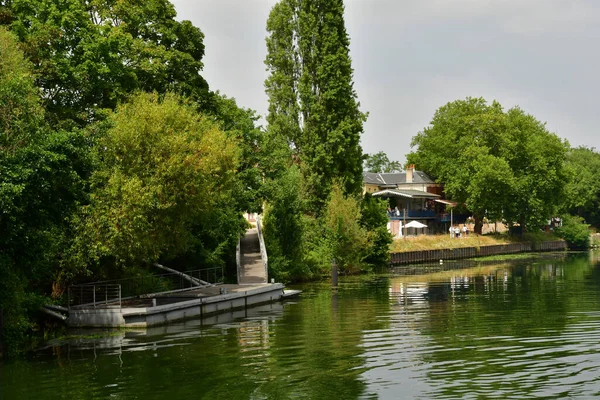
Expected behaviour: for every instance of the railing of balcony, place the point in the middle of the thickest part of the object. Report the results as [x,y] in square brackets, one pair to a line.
[415,214]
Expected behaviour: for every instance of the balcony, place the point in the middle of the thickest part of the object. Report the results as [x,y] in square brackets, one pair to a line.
[423,214]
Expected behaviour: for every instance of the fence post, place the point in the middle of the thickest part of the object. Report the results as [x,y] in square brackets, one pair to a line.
[94,295]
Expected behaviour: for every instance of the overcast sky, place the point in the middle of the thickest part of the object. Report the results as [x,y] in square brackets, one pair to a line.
[410,57]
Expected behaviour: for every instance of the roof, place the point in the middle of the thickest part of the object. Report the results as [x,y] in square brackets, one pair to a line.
[393,179]
[411,194]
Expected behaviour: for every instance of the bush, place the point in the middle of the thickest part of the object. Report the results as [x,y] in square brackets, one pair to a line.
[374,219]
[283,225]
[345,236]
[575,232]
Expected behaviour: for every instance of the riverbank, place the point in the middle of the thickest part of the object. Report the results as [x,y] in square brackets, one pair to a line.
[423,256]
[439,242]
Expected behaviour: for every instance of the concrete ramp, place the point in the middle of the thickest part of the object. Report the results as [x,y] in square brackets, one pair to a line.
[252,268]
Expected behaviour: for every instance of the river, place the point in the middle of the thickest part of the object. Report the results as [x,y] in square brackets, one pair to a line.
[520,329]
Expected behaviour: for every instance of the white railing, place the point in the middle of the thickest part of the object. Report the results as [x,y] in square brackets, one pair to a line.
[263,249]
[238,258]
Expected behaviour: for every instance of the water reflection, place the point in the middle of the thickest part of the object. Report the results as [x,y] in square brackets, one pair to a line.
[499,331]
[529,328]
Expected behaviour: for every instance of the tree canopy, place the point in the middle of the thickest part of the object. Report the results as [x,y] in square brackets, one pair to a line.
[583,185]
[501,164]
[380,163]
[42,182]
[163,166]
[312,102]
[87,56]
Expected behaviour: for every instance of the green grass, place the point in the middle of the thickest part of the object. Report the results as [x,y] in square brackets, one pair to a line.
[436,242]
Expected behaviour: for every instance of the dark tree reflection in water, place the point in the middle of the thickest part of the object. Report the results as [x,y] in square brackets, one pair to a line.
[522,329]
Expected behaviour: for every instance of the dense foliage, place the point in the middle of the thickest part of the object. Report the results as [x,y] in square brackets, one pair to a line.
[583,186]
[314,213]
[380,163]
[114,153]
[312,103]
[163,169]
[89,55]
[575,232]
[41,184]
[503,165]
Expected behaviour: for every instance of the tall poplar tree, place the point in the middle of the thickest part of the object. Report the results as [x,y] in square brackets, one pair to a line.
[313,104]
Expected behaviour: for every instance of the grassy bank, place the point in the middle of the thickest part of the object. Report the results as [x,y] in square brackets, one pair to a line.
[436,242]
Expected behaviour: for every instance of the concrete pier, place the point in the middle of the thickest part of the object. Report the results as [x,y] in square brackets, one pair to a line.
[175,306]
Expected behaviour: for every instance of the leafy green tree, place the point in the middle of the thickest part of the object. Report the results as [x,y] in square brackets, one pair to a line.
[345,237]
[503,165]
[89,55]
[42,182]
[375,220]
[583,186]
[164,169]
[312,102]
[380,163]
[315,126]
[284,228]
[240,124]
[20,109]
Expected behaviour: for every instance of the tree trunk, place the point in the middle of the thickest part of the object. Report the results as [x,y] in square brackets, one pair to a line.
[478,224]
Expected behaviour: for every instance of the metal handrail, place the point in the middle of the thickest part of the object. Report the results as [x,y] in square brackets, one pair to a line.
[111,292]
[94,295]
[193,273]
[263,248]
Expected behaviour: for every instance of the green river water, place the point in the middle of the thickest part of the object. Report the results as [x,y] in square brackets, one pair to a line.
[523,329]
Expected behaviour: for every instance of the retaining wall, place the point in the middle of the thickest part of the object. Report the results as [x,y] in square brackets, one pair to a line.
[421,256]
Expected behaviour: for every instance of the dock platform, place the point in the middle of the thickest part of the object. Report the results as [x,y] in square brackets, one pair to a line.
[162,308]
[194,294]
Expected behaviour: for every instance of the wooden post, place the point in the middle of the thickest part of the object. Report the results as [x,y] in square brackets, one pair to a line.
[334,274]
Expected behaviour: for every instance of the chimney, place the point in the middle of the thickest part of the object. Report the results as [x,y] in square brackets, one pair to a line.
[410,173]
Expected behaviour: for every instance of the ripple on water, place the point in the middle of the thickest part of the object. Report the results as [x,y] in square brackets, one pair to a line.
[521,331]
